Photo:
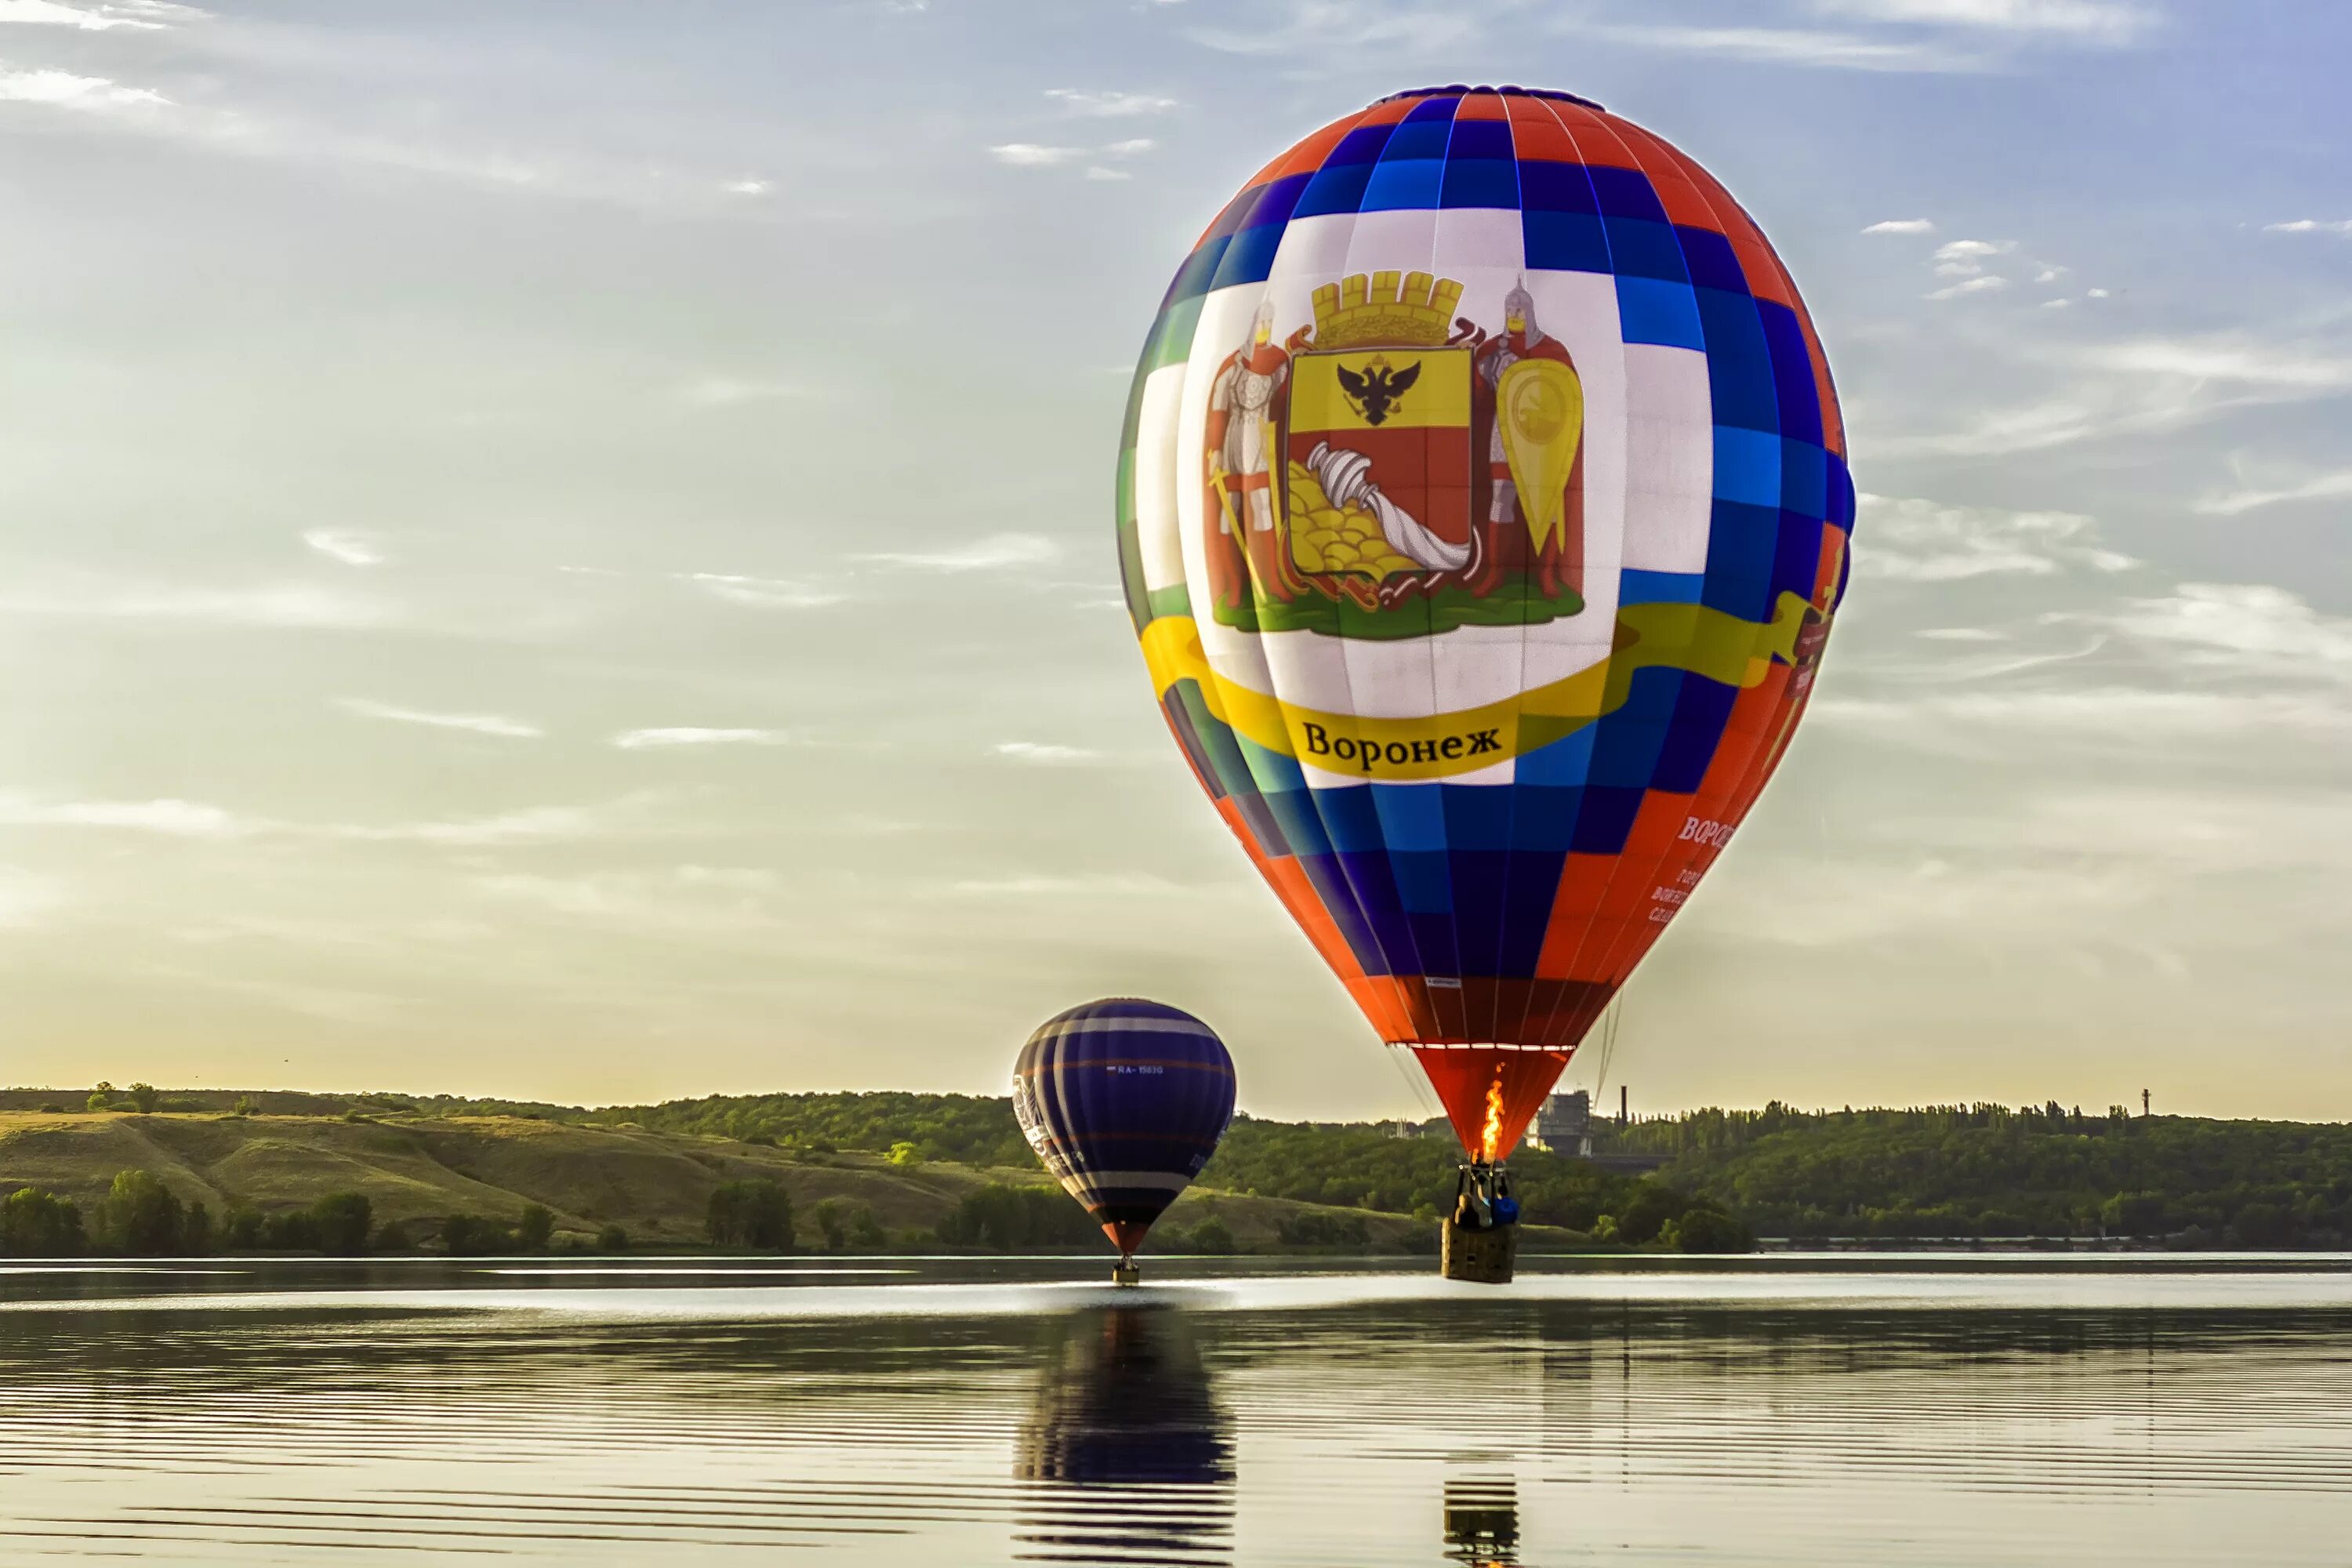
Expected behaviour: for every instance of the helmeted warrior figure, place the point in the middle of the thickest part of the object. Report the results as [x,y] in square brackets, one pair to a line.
[1244,411]
[1507,542]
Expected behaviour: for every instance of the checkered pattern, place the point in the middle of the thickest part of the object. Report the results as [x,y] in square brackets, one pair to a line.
[1539,887]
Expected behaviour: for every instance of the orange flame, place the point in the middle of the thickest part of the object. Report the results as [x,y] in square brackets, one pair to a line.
[1490,1137]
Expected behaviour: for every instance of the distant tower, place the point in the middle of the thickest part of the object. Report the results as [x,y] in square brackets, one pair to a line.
[2143,1102]
[1624,1118]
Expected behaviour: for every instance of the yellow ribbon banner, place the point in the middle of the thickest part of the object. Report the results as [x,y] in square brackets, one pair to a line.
[1720,646]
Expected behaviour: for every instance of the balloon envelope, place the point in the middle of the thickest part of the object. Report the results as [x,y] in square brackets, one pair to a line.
[1124,1101]
[1483,509]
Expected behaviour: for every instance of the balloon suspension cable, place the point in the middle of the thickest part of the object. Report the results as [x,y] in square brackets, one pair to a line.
[1610,1022]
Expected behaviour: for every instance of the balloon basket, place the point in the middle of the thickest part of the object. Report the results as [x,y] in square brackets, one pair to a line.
[1479,1241]
[1125,1272]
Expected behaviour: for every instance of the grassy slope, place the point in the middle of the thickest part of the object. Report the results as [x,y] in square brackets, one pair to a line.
[412,1169]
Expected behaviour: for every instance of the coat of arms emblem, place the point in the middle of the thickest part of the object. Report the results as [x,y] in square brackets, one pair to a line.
[1394,454]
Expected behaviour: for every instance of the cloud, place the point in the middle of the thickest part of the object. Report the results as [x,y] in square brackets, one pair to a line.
[1133,147]
[25,897]
[2324,487]
[83,94]
[141,14]
[1915,541]
[747,187]
[1030,156]
[1903,226]
[1330,30]
[171,818]
[2253,628]
[646,739]
[1792,46]
[531,824]
[1969,286]
[1110,105]
[764,593]
[1122,885]
[2236,360]
[2311,226]
[1966,258]
[479,723]
[1044,753]
[2082,20]
[1096,172]
[291,604]
[997,553]
[352,549]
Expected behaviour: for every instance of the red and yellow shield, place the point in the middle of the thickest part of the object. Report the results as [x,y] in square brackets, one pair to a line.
[1390,422]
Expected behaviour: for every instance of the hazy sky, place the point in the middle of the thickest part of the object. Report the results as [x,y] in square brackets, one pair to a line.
[564,550]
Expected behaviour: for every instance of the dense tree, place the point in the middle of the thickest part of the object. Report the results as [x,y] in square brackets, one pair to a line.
[35,1222]
[140,1215]
[1009,1217]
[471,1236]
[757,1213]
[341,1223]
[535,1228]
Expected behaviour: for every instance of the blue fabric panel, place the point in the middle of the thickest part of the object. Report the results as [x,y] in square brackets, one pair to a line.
[1424,881]
[1418,140]
[1272,770]
[1555,187]
[1747,466]
[1413,817]
[1655,588]
[1437,109]
[1701,710]
[1478,816]
[1408,184]
[1640,249]
[1741,542]
[1432,936]
[1712,262]
[1376,894]
[1478,900]
[1625,755]
[1294,810]
[1249,258]
[1792,372]
[1543,817]
[1564,763]
[1350,818]
[1654,311]
[1527,909]
[1481,139]
[1192,279]
[1625,193]
[1563,242]
[1804,478]
[1738,365]
[1606,819]
[1480,183]
[1336,188]
[1234,213]
[1361,145]
[1841,494]
[1339,902]
[1797,557]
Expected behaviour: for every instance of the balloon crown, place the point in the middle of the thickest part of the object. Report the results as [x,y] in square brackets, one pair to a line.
[1506,91]
[1376,307]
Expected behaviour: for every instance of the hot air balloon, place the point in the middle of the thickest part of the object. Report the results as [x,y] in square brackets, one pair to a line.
[1124,1101]
[1483,508]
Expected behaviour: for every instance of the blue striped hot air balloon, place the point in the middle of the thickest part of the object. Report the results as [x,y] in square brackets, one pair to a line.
[1124,1101]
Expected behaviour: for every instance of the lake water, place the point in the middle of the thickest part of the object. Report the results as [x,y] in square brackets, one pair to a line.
[1784,1410]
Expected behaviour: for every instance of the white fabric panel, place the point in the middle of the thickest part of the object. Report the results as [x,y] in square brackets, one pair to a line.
[1670,455]
[1157,533]
[1479,239]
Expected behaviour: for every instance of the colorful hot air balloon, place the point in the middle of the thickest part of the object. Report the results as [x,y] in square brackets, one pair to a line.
[1482,508]
[1124,1101]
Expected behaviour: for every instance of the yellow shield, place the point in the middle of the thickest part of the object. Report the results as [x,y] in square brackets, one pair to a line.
[1539,409]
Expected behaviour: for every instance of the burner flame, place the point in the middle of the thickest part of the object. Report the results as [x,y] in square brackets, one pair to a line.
[1491,1137]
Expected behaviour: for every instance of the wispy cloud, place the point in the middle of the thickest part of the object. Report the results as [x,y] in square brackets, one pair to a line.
[479,723]
[141,14]
[1045,753]
[350,548]
[997,553]
[1985,285]
[727,391]
[1034,155]
[82,94]
[1792,46]
[2342,227]
[1967,257]
[647,739]
[1903,226]
[1917,541]
[2094,21]
[2321,487]
[1110,105]
[764,593]
[171,818]
[2252,628]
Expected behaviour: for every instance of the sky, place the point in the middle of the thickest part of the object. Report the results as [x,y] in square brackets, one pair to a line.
[564,550]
